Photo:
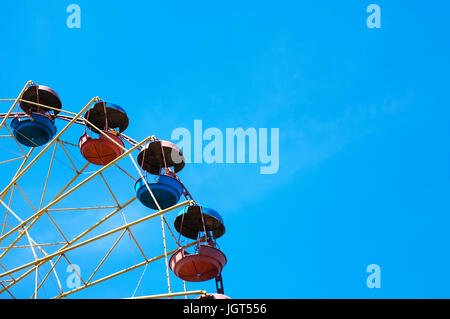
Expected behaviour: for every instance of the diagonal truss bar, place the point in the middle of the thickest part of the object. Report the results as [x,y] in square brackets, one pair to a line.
[34,218]
[48,175]
[69,248]
[123,271]
[47,146]
[18,170]
[47,106]
[15,103]
[106,256]
[26,221]
[73,240]
[32,245]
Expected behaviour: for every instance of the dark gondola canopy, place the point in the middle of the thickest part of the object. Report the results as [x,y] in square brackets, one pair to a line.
[105,115]
[38,127]
[158,155]
[42,95]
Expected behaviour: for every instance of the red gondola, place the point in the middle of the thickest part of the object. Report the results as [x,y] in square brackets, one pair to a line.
[207,261]
[106,120]
[203,265]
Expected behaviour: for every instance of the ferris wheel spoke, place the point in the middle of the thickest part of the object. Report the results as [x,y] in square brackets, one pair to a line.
[21,232]
[7,211]
[35,268]
[174,294]
[39,213]
[123,271]
[7,290]
[95,238]
[109,189]
[15,140]
[46,147]
[106,256]
[136,242]
[35,258]
[10,276]
[36,245]
[80,208]
[126,173]
[32,244]
[96,225]
[15,103]
[74,268]
[12,160]
[65,151]
[18,171]
[47,107]
[52,269]
[140,279]
[33,208]
[48,176]
[69,143]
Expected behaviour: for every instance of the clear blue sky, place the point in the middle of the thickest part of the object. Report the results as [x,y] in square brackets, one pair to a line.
[362,113]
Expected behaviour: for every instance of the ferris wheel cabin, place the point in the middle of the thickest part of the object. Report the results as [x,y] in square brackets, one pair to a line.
[203,265]
[190,222]
[167,191]
[106,120]
[207,261]
[38,126]
[159,155]
[164,159]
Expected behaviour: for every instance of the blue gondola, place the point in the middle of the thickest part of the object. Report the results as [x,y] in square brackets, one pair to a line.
[167,191]
[38,127]
[35,131]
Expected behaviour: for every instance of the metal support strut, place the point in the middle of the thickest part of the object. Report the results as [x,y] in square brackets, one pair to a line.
[219,284]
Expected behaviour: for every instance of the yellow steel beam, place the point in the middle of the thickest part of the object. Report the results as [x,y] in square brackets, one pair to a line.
[64,250]
[14,104]
[175,294]
[122,271]
[36,216]
[22,172]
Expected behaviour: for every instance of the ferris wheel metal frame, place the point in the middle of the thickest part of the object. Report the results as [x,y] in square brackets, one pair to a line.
[10,277]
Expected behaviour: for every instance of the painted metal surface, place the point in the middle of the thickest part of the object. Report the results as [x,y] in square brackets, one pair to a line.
[204,265]
[33,131]
[158,155]
[105,115]
[43,95]
[167,191]
[213,296]
[189,222]
[100,151]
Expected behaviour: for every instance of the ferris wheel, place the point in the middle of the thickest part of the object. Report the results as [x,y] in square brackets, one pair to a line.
[69,182]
